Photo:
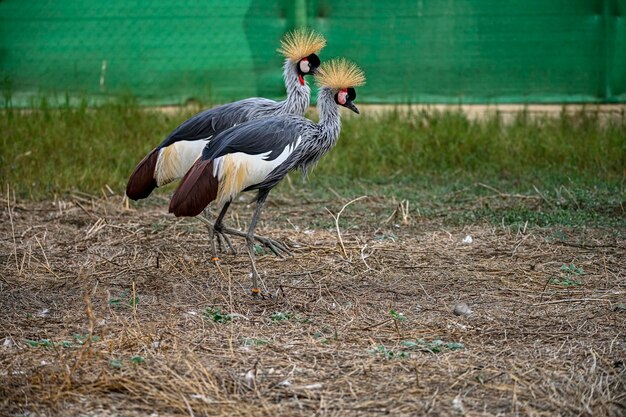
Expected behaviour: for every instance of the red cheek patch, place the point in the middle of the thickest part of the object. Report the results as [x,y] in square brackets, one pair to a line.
[342,97]
[301,79]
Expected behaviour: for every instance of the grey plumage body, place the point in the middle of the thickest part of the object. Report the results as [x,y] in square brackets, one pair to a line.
[299,141]
[173,157]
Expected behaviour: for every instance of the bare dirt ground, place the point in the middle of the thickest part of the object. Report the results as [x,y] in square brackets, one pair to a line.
[107,312]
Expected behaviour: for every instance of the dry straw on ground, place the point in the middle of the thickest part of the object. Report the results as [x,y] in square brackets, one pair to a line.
[325,343]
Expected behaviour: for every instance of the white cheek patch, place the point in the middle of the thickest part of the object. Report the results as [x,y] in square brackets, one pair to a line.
[304,66]
[342,97]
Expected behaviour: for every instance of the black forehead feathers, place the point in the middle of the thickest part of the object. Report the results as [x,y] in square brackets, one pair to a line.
[314,60]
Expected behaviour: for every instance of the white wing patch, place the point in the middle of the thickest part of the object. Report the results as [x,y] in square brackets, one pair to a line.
[175,160]
[237,171]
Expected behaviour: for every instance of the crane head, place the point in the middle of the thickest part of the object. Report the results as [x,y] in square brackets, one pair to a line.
[300,47]
[307,66]
[341,76]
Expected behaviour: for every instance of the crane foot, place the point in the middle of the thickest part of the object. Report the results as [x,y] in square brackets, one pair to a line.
[223,241]
[279,249]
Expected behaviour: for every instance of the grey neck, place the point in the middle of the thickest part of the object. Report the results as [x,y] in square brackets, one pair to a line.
[330,119]
[298,95]
[322,139]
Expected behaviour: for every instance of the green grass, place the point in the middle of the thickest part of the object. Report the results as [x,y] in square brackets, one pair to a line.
[426,143]
[571,166]
[58,150]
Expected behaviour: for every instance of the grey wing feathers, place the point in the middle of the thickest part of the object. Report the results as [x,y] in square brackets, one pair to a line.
[270,134]
[212,121]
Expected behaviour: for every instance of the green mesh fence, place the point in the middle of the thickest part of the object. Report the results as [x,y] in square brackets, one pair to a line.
[420,51]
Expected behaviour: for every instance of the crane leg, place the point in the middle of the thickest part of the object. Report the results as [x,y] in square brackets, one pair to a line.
[216,232]
[279,249]
[256,291]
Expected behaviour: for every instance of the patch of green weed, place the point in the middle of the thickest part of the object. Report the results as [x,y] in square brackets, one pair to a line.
[433,346]
[568,275]
[124,299]
[118,363]
[47,343]
[217,315]
[387,353]
[396,316]
[281,316]
[115,363]
[256,342]
[418,345]
[321,337]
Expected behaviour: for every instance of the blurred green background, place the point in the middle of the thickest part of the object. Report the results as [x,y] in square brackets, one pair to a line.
[175,51]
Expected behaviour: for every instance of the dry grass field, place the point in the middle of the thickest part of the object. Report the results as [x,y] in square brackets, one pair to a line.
[108,311]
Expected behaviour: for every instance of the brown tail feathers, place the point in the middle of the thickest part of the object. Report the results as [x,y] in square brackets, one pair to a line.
[197,189]
[141,181]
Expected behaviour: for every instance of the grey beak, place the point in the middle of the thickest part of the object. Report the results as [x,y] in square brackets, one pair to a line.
[313,71]
[351,106]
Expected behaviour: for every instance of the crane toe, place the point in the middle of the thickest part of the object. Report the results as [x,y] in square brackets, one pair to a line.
[223,243]
[279,249]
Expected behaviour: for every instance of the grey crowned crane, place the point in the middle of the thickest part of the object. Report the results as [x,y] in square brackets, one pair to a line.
[172,158]
[258,154]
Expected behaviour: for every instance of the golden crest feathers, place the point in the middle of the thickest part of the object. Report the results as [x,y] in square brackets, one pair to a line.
[339,73]
[301,43]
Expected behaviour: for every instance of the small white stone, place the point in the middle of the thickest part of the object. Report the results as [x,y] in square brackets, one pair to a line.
[462,309]
[457,404]
[285,384]
[44,313]
[8,343]
[249,379]
[468,240]
[201,397]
